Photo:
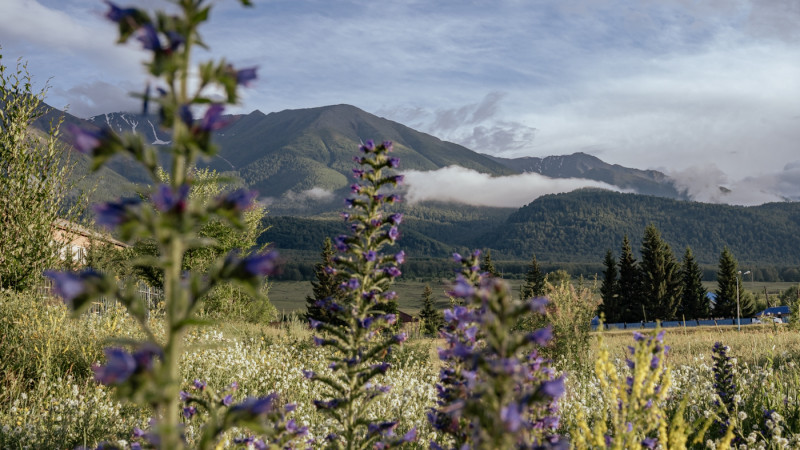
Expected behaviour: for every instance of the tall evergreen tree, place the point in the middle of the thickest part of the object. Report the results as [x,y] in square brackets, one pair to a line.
[488,266]
[661,280]
[629,285]
[727,278]
[432,319]
[609,291]
[325,286]
[694,299]
[534,285]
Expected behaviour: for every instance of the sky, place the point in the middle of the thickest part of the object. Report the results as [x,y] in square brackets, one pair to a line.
[707,92]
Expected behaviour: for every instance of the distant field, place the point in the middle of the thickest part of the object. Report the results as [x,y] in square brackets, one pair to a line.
[775,288]
[290,296]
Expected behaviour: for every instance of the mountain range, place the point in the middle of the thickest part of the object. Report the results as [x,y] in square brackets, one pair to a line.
[301,161]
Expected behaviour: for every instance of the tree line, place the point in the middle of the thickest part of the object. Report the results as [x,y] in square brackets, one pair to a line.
[659,287]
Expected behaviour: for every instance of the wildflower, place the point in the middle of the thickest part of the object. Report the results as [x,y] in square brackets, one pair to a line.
[148,36]
[167,199]
[113,214]
[246,76]
[119,367]
[212,120]
[261,264]
[396,218]
[253,406]
[400,257]
[238,200]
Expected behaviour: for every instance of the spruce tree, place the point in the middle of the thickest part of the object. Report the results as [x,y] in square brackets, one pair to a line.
[487,265]
[727,278]
[609,291]
[629,285]
[534,281]
[694,303]
[325,286]
[432,319]
[661,280]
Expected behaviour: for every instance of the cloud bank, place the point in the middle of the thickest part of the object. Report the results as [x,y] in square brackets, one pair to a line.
[460,185]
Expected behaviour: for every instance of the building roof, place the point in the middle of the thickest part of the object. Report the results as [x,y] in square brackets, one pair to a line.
[80,230]
[774,311]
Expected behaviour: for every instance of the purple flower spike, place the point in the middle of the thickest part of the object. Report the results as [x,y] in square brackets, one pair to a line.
[393,234]
[148,36]
[388,145]
[212,120]
[462,288]
[400,257]
[261,264]
[120,366]
[396,218]
[244,77]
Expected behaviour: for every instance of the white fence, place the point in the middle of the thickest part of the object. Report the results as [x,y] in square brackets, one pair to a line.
[152,297]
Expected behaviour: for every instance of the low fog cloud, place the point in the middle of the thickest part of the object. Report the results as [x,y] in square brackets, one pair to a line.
[316,194]
[710,185]
[460,185]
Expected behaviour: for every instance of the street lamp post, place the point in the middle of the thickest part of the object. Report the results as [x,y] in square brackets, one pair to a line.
[738,309]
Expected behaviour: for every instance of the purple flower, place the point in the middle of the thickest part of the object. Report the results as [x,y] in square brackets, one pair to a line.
[371,255]
[396,218]
[358,173]
[462,288]
[381,367]
[410,436]
[113,214]
[318,341]
[400,338]
[212,120]
[238,200]
[511,417]
[309,374]
[117,14]
[390,318]
[383,427]
[366,322]
[166,199]
[261,264]
[227,400]
[394,162]
[185,113]
[256,406]
[314,323]
[369,146]
[637,336]
[175,40]
[85,140]
[400,257]
[67,285]
[538,304]
[200,385]
[291,426]
[353,284]
[553,388]
[392,271]
[542,336]
[245,76]
[189,412]
[388,146]
[391,295]
[148,36]
[398,179]
[393,234]
[330,404]
[185,396]
[394,198]
[457,257]
[650,442]
[119,367]
[145,355]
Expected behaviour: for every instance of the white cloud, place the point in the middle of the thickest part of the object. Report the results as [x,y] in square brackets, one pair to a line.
[314,194]
[461,185]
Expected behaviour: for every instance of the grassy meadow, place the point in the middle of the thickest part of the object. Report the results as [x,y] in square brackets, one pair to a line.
[47,392]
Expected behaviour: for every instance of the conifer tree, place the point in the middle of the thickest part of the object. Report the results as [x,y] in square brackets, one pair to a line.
[609,291]
[432,319]
[694,303]
[534,281]
[326,285]
[629,285]
[488,266]
[727,278]
[661,281]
